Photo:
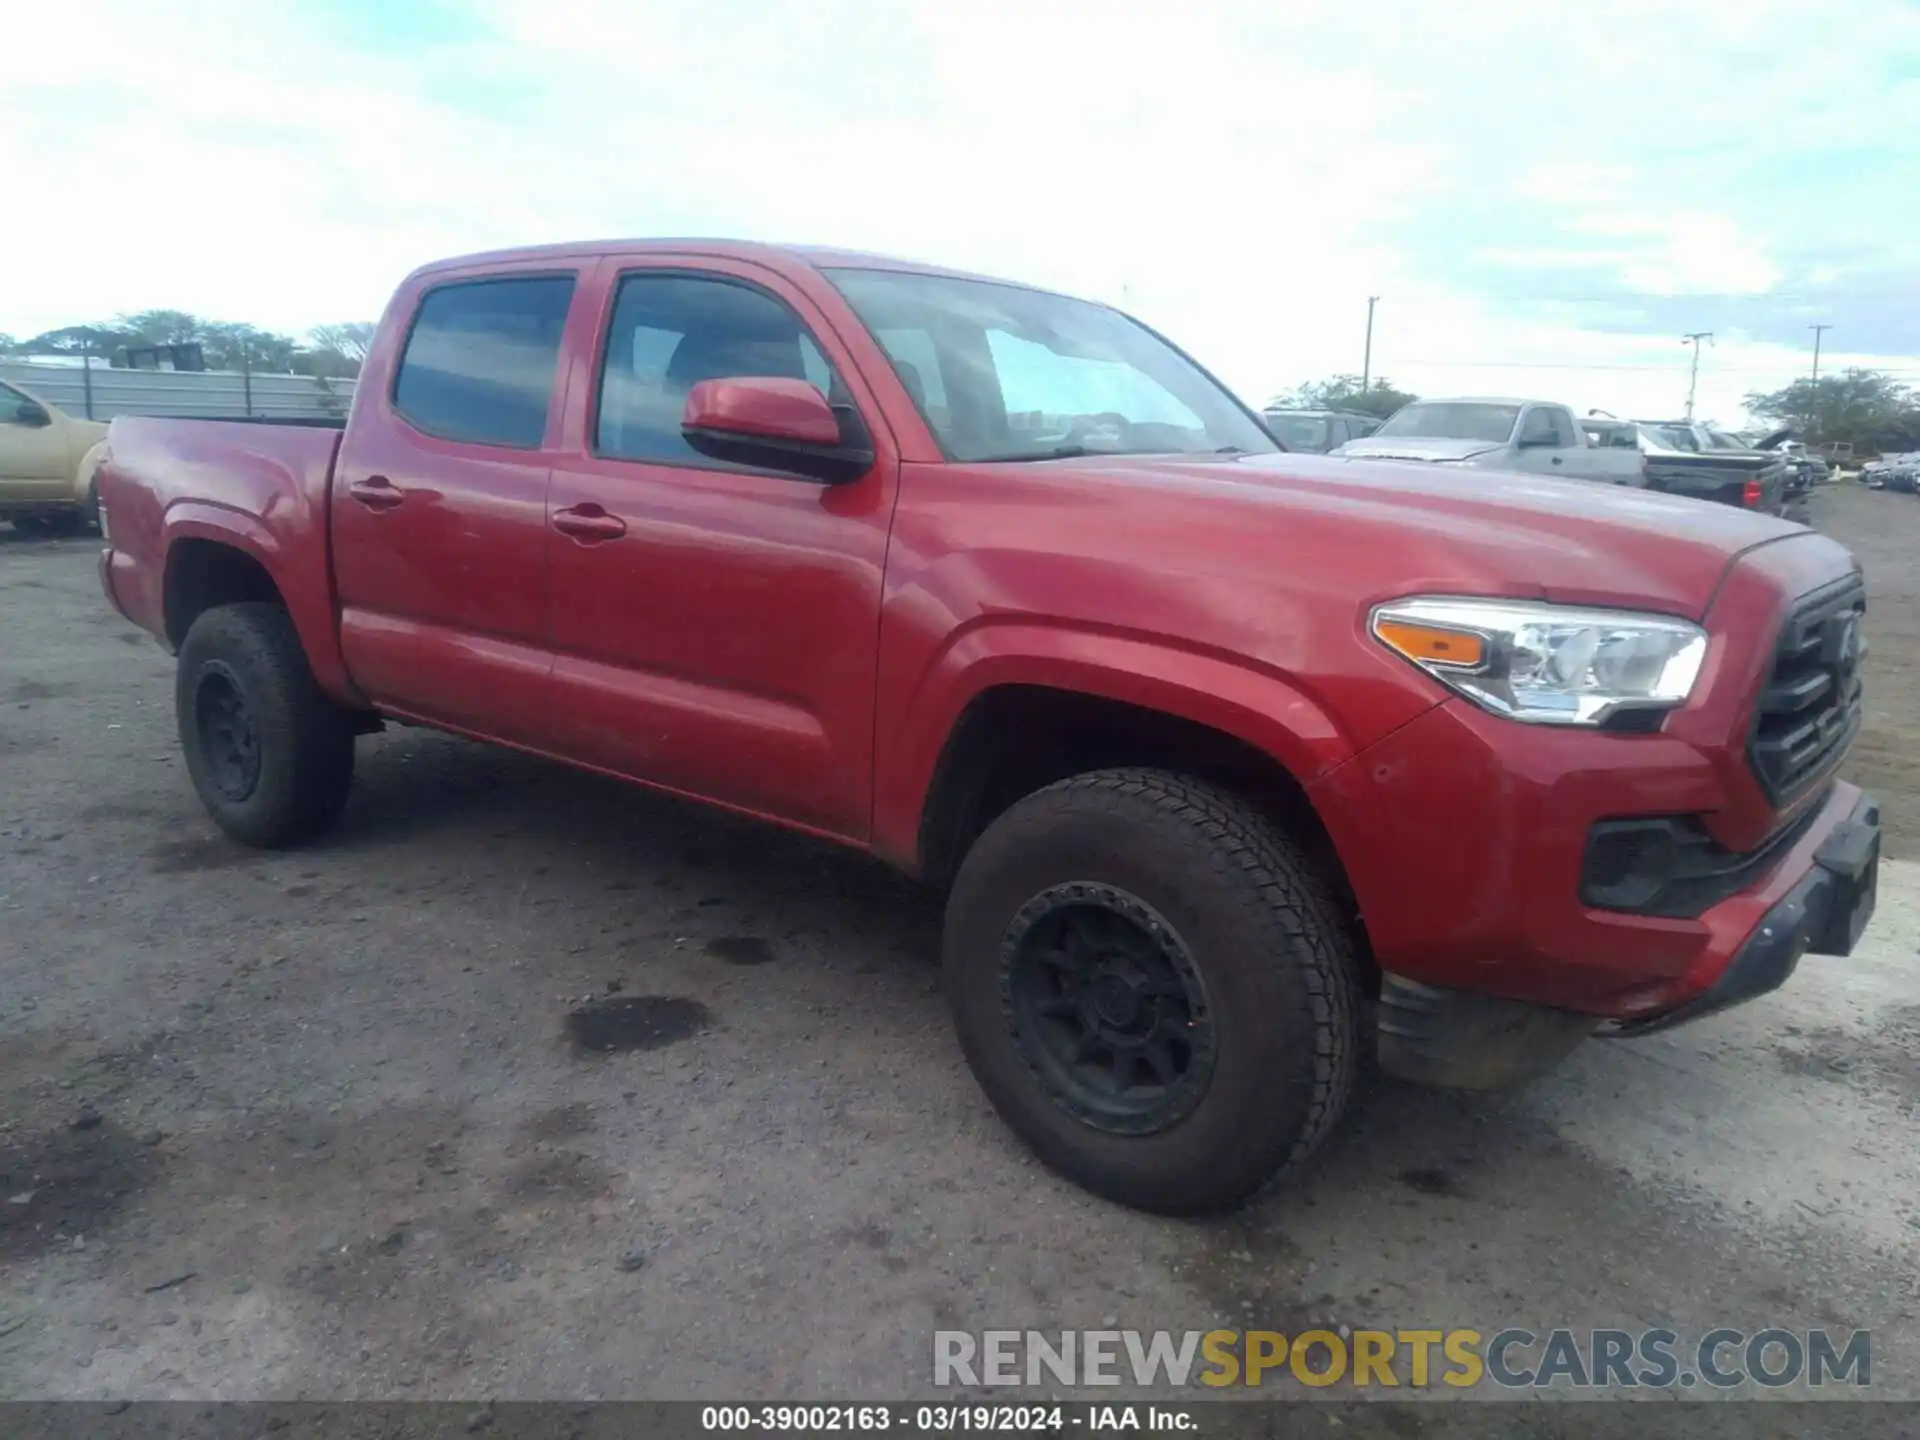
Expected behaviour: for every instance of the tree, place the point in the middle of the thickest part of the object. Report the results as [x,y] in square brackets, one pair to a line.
[97,341]
[352,339]
[161,327]
[230,346]
[1343,392]
[1864,408]
[336,351]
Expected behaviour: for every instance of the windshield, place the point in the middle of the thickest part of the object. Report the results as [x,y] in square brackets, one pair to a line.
[1671,437]
[1004,373]
[1299,432]
[1452,421]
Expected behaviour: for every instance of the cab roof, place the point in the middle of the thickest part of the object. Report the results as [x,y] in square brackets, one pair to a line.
[773,256]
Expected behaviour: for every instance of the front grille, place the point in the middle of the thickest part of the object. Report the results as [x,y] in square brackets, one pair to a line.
[1810,707]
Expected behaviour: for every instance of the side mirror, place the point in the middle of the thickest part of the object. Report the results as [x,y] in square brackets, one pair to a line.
[31,415]
[779,424]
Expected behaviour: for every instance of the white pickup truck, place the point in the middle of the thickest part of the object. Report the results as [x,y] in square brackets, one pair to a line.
[1499,434]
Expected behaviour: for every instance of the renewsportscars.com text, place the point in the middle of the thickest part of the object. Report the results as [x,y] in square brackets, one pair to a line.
[1511,1358]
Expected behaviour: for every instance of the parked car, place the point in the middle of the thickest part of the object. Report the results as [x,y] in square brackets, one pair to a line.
[1804,470]
[1899,472]
[1316,432]
[47,463]
[1684,458]
[1528,435]
[1207,743]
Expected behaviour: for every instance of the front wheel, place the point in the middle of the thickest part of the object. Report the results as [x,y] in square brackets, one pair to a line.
[269,754]
[1154,987]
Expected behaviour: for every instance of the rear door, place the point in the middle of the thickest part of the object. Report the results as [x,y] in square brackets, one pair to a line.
[723,641]
[439,503]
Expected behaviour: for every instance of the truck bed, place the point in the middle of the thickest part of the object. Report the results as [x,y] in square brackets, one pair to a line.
[262,485]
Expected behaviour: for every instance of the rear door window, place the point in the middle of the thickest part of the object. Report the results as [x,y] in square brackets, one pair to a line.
[481,358]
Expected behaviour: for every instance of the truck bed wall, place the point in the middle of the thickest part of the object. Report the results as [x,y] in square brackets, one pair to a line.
[261,489]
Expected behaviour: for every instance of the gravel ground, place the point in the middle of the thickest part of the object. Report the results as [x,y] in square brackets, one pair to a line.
[345,1123]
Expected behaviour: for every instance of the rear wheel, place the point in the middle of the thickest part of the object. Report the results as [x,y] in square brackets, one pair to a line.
[270,756]
[1154,987]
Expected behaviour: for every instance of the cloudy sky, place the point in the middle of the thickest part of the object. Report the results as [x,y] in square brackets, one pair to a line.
[1544,197]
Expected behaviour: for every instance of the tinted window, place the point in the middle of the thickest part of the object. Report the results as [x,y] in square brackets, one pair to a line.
[1024,375]
[669,332]
[1298,432]
[480,361]
[10,402]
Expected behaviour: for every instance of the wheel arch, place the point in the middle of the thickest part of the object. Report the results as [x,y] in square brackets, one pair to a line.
[1015,737]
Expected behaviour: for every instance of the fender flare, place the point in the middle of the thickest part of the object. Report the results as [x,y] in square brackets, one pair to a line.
[88,470]
[312,615]
[1261,708]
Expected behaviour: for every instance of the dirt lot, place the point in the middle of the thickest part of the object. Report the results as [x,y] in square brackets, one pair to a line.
[332,1124]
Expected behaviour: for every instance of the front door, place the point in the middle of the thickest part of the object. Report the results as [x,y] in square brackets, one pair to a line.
[439,507]
[716,627]
[33,457]
[1544,440]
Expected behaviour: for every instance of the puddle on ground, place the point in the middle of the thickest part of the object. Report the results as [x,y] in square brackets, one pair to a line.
[740,949]
[635,1022]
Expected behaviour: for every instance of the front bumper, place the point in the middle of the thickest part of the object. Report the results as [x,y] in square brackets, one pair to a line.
[1823,914]
[1464,839]
[1458,1039]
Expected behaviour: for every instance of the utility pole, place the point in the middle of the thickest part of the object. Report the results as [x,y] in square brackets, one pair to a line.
[1693,338]
[1817,329]
[1366,362]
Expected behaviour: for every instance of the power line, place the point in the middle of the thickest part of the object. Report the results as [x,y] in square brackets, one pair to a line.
[1645,367]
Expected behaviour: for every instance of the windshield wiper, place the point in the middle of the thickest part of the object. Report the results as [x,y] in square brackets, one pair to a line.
[1058,452]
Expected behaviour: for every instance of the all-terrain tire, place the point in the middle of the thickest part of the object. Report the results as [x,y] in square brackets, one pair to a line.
[287,778]
[1268,943]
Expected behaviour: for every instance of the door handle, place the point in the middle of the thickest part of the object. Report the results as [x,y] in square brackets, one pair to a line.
[1556,460]
[376,492]
[588,523]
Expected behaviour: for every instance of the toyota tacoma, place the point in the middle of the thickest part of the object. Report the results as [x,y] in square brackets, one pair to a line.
[1231,763]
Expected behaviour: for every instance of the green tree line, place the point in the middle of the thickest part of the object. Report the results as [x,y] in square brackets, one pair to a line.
[1345,392]
[1866,409]
[333,352]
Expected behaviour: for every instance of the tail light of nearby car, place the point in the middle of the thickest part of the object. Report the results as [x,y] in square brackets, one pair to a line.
[1750,494]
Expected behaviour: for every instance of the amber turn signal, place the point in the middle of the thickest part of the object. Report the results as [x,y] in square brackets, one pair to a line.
[1432,645]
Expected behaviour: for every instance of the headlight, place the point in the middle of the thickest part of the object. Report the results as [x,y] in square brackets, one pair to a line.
[1547,664]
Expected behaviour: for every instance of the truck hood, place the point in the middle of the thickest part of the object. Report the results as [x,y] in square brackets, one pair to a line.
[1416,447]
[1470,531]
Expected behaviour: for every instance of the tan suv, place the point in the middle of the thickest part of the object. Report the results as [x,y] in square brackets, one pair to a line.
[47,460]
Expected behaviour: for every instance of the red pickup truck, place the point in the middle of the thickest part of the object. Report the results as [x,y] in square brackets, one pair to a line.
[1231,761]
